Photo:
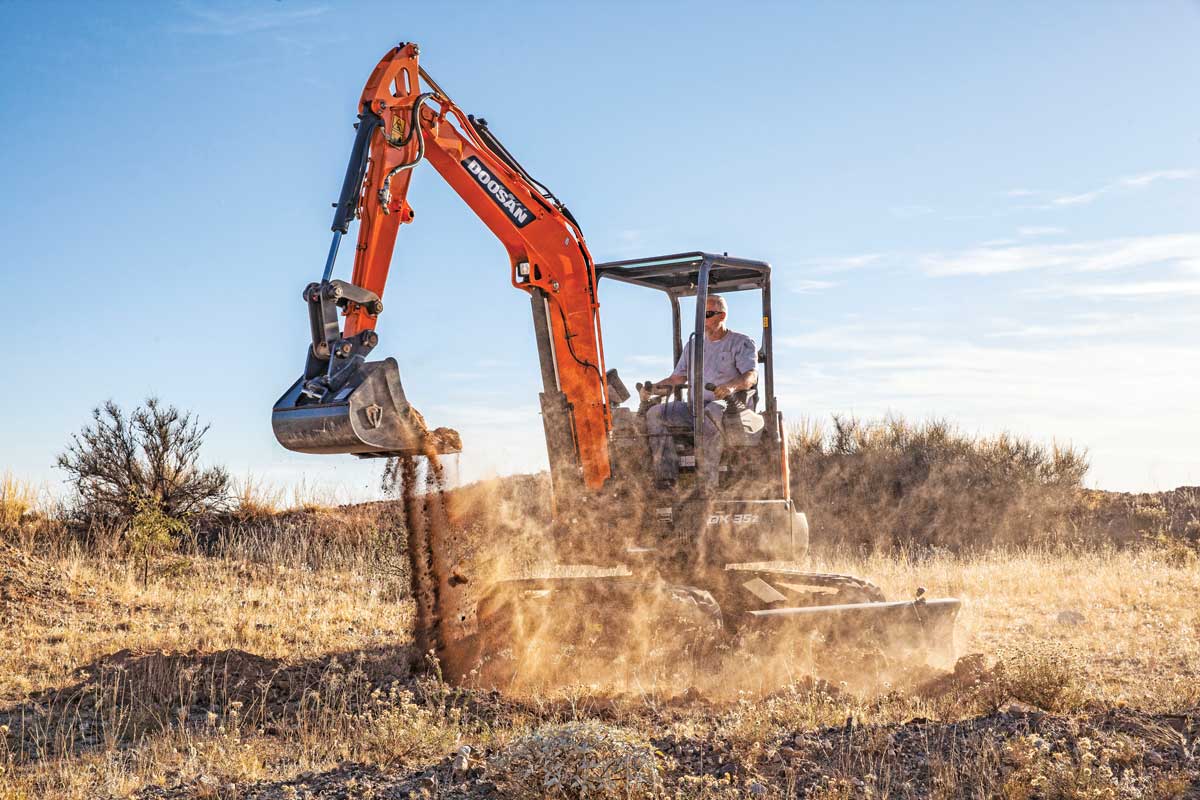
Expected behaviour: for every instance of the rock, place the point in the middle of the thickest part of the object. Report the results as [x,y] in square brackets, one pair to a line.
[1070,617]
[757,789]
[462,760]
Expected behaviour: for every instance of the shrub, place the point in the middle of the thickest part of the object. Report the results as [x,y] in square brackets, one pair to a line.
[1089,770]
[892,483]
[1045,676]
[120,462]
[152,532]
[578,760]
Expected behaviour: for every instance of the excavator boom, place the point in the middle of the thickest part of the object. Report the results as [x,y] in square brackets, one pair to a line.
[344,403]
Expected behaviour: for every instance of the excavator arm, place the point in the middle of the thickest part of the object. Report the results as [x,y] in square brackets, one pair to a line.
[406,118]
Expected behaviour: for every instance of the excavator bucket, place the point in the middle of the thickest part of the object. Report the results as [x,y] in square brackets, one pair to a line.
[367,416]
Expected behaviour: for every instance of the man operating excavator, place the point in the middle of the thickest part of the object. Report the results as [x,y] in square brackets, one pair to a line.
[729,366]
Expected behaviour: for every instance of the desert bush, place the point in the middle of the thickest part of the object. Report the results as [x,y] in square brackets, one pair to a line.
[152,532]
[1047,676]
[894,483]
[1088,771]
[578,760]
[120,461]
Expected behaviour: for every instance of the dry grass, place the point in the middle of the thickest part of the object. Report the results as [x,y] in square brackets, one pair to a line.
[17,498]
[1127,619]
[1136,642]
[276,646]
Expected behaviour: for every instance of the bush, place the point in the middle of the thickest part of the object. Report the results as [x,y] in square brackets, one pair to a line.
[120,462]
[578,760]
[1046,676]
[893,483]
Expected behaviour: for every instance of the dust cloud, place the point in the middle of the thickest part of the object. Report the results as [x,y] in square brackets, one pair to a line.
[503,602]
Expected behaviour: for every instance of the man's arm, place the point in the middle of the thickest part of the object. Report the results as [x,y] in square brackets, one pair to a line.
[667,384]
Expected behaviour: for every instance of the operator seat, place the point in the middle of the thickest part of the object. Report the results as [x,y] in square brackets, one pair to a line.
[738,428]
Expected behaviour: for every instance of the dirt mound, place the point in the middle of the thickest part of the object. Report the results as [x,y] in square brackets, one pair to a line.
[31,589]
[127,694]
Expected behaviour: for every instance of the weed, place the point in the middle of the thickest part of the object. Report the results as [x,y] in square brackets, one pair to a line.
[579,760]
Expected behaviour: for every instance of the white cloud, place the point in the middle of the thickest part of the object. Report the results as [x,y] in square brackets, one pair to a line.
[1088,324]
[857,337]
[228,22]
[1039,230]
[1147,178]
[804,286]
[648,360]
[1111,254]
[910,211]
[840,263]
[1135,289]
[1107,394]
[1139,181]
[1079,199]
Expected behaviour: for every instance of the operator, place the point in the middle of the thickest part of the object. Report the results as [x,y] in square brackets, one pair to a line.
[730,359]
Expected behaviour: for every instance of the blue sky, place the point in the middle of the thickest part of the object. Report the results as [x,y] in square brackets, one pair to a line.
[983,212]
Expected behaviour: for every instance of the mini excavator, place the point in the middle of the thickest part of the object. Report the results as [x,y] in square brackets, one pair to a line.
[728,560]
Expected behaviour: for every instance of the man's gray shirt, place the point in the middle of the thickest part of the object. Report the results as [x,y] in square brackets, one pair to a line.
[726,359]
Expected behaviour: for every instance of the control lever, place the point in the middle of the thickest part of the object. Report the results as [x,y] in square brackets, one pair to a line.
[735,403]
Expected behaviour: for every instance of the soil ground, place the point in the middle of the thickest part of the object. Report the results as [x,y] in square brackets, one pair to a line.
[226,678]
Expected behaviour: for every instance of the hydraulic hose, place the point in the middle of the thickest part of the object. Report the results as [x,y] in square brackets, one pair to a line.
[385,194]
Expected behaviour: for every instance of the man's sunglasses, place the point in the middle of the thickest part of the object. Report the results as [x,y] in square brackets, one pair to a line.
[711,314]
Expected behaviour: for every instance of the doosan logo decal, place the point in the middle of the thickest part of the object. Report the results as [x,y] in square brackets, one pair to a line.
[518,213]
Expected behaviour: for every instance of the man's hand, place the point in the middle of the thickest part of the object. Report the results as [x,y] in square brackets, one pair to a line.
[722,391]
[648,390]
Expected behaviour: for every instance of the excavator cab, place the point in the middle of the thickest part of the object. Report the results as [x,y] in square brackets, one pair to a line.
[752,428]
[749,515]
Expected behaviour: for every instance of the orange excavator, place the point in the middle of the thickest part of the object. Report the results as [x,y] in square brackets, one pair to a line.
[725,559]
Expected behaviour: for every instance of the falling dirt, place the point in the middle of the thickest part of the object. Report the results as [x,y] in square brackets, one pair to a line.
[437,588]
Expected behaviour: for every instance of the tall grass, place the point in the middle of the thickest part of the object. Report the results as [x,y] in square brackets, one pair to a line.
[17,499]
[893,482]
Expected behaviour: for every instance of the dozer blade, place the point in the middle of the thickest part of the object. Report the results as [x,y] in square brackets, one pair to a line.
[925,626]
[367,416]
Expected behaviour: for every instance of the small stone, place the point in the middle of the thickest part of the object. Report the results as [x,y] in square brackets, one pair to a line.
[1154,759]
[757,790]
[1070,617]
[1017,707]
